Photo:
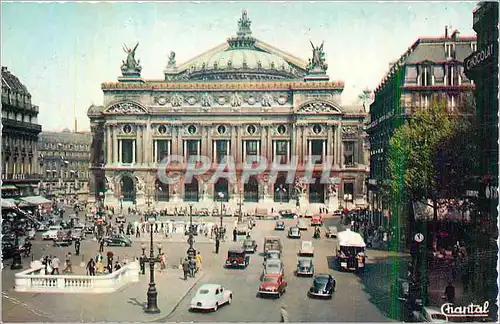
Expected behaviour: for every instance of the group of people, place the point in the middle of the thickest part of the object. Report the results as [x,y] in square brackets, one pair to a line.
[52,264]
[191,266]
[96,265]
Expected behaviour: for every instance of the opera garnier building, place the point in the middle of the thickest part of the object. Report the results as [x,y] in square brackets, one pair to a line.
[241,99]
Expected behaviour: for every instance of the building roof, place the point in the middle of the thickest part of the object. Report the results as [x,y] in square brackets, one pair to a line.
[11,82]
[241,57]
[65,137]
[432,49]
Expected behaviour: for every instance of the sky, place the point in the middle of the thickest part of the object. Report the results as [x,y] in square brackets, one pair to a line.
[63,52]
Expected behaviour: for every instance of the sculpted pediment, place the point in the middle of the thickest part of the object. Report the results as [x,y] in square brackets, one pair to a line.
[126,108]
[317,107]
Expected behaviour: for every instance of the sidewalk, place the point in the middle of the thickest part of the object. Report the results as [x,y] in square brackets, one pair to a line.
[125,305]
[172,238]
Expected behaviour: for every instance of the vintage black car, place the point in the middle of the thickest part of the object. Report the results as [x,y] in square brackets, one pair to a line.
[249,246]
[237,259]
[305,267]
[280,226]
[287,214]
[117,240]
[323,286]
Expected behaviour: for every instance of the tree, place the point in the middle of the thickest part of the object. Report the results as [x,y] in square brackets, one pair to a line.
[413,155]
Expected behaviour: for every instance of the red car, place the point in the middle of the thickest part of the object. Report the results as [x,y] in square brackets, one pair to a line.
[317,220]
[272,285]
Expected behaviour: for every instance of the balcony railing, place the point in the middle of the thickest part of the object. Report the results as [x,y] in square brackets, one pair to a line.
[21,176]
[7,122]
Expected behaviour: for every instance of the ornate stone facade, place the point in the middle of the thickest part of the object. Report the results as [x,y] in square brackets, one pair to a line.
[253,116]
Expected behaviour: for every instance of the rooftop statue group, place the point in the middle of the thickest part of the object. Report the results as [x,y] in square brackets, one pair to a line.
[318,61]
[131,65]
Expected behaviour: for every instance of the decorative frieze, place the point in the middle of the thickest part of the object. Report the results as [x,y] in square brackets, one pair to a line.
[126,108]
[318,107]
[350,131]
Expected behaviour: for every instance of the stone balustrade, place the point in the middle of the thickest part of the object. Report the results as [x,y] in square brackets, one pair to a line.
[34,280]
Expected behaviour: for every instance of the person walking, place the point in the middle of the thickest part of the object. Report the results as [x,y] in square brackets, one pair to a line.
[198,262]
[101,245]
[77,246]
[163,261]
[185,268]
[91,267]
[217,245]
[235,235]
[449,293]
[192,267]
[69,265]
[55,265]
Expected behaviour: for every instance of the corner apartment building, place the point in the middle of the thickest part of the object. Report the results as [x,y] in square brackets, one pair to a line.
[431,68]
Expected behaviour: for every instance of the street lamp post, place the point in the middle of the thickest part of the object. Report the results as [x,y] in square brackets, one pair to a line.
[221,197]
[152,307]
[191,251]
[240,204]
[17,262]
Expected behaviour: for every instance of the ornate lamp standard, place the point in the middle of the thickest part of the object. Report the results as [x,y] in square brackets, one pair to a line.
[152,307]
[240,204]
[221,197]
[191,252]
[17,262]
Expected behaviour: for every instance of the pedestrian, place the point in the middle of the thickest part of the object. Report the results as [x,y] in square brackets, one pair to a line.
[235,235]
[163,261]
[55,265]
[77,246]
[449,293]
[100,267]
[69,266]
[117,266]
[198,262]
[101,245]
[185,268]
[91,267]
[217,244]
[192,267]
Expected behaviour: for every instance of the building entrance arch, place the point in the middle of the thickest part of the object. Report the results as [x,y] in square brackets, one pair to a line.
[191,190]
[128,188]
[221,186]
[317,192]
[251,190]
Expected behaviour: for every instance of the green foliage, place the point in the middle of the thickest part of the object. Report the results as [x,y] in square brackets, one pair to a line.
[413,153]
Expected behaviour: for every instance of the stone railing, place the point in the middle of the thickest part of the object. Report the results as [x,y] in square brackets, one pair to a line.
[33,280]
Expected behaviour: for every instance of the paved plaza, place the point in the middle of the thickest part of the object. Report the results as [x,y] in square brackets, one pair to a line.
[359,298]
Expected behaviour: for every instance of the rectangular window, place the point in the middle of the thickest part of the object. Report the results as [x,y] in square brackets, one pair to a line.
[349,153]
[450,49]
[221,150]
[162,148]
[426,76]
[316,149]
[281,153]
[191,148]
[473,46]
[252,147]
[127,151]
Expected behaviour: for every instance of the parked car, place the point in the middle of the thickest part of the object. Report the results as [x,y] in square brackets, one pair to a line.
[280,226]
[294,232]
[301,224]
[331,231]
[249,246]
[272,266]
[51,233]
[64,238]
[306,248]
[242,229]
[272,285]
[287,214]
[210,297]
[272,255]
[317,220]
[432,315]
[121,219]
[78,233]
[305,267]
[237,258]
[323,285]
[117,240]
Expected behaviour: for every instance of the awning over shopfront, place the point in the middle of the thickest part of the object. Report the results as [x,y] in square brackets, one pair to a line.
[23,185]
[9,187]
[11,203]
[450,212]
[36,200]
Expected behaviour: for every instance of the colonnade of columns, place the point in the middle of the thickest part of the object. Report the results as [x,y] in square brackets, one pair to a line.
[145,146]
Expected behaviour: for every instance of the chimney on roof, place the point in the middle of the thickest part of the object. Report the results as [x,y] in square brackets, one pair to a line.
[4,69]
[446,32]
[455,34]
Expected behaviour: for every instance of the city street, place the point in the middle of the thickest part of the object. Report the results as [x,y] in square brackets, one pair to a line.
[357,298]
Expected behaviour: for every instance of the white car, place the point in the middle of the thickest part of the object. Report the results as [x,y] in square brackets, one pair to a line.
[308,214]
[211,296]
[306,248]
[432,315]
[302,225]
[51,234]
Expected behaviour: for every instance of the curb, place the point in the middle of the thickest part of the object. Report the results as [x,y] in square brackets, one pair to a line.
[165,317]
